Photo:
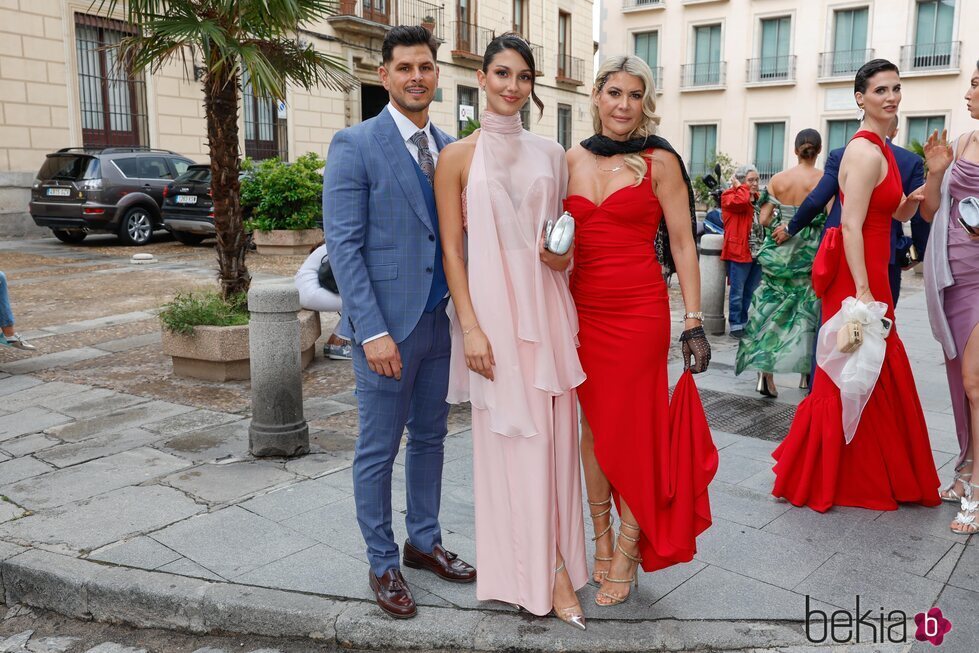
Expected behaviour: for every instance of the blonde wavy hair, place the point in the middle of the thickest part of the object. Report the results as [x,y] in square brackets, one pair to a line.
[648,126]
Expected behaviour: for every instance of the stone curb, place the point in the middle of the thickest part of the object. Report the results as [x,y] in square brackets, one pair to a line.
[101,592]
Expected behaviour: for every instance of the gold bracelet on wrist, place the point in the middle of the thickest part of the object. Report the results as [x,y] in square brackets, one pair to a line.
[466,332]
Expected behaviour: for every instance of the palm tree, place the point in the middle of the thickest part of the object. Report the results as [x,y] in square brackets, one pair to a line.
[257,37]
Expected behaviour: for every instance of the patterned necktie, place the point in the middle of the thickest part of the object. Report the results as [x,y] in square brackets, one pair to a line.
[425,160]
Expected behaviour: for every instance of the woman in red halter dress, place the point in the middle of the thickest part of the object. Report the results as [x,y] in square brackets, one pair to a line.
[889,460]
[654,456]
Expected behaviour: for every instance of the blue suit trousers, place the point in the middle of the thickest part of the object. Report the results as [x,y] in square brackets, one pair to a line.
[386,406]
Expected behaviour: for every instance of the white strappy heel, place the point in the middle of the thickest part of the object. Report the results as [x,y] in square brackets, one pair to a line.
[949,494]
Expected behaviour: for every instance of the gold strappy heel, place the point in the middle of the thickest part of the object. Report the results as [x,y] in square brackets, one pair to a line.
[598,576]
[617,600]
[571,615]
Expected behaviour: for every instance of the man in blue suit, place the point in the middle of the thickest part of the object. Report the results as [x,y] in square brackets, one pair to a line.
[912,177]
[382,236]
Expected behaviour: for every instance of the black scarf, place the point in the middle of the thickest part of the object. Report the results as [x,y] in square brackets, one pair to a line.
[601,145]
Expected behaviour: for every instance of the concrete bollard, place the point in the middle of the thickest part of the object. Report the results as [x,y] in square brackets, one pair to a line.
[713,281]
[278,427]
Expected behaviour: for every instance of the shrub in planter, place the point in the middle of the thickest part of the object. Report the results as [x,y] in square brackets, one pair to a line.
[283,195]
[207,337]
[189,310]
[285,203]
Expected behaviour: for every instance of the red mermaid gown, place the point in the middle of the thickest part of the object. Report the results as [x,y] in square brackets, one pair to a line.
[889,460]
[657,454]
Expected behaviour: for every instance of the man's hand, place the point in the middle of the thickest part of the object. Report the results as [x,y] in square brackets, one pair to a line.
[781,234]
[383,357]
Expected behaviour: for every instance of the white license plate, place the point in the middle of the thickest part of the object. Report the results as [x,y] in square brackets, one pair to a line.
[186,199]
[59,192]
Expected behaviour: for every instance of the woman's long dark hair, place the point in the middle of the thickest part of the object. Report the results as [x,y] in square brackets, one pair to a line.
[515,42]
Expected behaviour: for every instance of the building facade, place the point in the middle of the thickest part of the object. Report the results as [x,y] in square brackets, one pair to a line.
[60,87]
[743,77]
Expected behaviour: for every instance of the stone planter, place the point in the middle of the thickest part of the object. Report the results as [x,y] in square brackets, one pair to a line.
[287,242]
[221,353]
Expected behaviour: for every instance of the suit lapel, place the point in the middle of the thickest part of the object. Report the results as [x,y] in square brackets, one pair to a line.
[401,165]
[441,138]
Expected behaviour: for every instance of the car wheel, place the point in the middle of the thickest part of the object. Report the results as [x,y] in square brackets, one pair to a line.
[188,238]
[136,227]
[69,235]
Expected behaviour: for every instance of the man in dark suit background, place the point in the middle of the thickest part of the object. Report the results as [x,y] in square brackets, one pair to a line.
[912,176]
[912,172]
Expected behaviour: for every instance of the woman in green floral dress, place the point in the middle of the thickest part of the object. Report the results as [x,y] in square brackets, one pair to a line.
[784,314]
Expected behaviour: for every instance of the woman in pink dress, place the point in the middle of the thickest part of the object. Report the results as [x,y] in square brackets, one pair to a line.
[514,337]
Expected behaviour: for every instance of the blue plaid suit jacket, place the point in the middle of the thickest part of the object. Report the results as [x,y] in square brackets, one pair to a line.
[379,234]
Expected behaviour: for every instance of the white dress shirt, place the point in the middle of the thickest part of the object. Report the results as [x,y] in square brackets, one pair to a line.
[409,129]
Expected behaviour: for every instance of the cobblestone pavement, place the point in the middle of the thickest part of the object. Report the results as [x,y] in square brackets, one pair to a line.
[130,496]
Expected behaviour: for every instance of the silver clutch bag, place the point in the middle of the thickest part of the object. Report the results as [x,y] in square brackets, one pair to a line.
[558,235]
[969,215]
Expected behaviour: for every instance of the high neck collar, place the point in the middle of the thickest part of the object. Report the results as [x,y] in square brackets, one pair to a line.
[497,124]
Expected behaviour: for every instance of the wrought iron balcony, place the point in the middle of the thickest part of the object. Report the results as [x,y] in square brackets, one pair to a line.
[470,40]
[570,70]
[703,75]
[939,57]
[763,70]
[635,5]
[375,17]
[767,170]
[658,78]
[538,52]
[842,63]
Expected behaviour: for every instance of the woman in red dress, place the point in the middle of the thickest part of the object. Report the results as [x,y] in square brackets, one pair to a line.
[889,460]
[653,457]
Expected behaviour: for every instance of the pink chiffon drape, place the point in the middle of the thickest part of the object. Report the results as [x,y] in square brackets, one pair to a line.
[527,480]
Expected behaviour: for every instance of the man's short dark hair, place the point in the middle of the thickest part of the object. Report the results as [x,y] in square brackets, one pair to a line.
[870,69]
[407,35]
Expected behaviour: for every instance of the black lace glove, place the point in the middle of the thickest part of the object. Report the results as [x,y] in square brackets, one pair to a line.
[694,345]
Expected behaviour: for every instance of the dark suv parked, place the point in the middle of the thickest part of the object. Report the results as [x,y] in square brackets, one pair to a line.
[113,189]
[188,211]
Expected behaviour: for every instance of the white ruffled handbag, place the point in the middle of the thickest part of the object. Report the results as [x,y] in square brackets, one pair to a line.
[854,370]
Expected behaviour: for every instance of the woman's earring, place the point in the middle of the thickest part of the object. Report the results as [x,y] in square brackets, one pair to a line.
[860,114]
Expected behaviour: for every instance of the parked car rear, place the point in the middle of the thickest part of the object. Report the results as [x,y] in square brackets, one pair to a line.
[188,210]
[114,189]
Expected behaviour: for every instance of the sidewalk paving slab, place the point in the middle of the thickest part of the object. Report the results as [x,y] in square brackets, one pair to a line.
[95,477]
[100,424]
[30,420]
[232,541]
[56,359]
[223,483]
[69,454]
[85,525]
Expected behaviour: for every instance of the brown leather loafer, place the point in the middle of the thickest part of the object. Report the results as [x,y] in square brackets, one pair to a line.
[392,594]
[440,562]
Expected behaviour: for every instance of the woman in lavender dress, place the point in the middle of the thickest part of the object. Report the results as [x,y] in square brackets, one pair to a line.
[952,290]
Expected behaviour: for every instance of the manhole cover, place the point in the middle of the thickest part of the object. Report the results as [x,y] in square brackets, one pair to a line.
[757,418]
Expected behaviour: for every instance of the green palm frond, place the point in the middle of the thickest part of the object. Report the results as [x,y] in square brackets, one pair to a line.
[258,37]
